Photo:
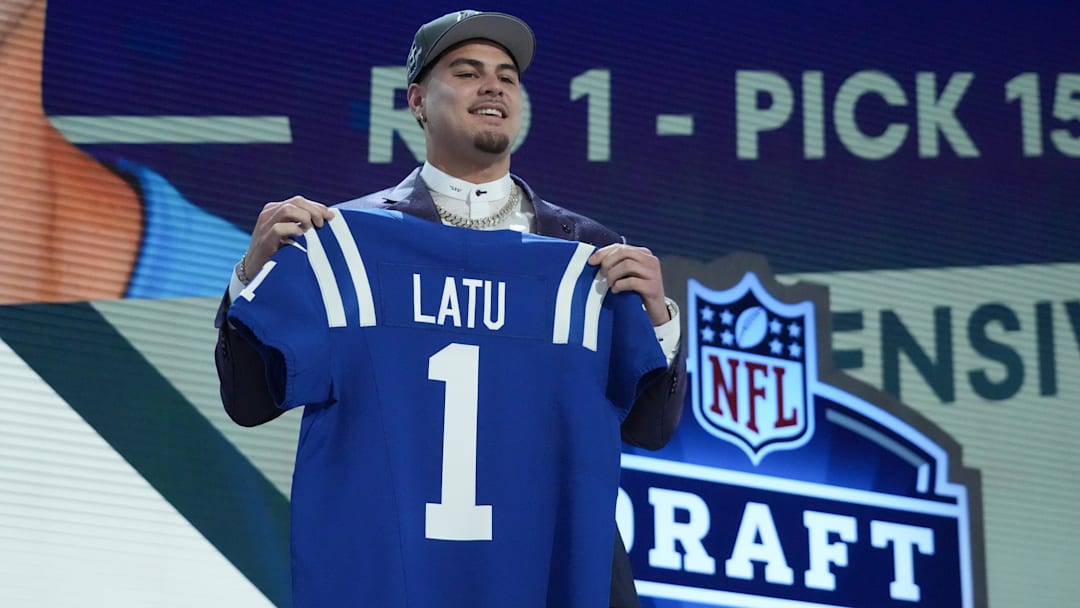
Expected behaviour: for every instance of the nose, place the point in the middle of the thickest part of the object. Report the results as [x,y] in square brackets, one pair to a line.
[492,85]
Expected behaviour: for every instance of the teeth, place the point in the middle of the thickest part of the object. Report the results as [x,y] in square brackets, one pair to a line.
[489,112]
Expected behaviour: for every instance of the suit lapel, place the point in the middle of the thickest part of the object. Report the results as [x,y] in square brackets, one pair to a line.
[549,219]
[411,197]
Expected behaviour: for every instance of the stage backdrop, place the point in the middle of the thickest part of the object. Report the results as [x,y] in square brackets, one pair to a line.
[920,160]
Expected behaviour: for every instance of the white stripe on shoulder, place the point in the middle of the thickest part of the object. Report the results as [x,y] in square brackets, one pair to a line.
[357,272]
[597,291]
[564,300]
[324,275]
[249,291]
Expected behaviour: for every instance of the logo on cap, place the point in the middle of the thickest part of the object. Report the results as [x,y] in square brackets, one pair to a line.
[414,55]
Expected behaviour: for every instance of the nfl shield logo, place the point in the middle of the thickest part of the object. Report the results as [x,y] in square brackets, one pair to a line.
[753,359]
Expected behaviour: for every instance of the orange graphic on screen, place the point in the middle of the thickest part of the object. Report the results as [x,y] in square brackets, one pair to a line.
[73,226]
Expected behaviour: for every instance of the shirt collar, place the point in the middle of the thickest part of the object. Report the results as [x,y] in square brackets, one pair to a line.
[459,189]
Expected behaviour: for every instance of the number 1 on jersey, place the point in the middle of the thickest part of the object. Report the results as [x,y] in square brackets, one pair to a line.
[457,516]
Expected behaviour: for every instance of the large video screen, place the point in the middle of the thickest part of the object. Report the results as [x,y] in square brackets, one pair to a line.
[919,161]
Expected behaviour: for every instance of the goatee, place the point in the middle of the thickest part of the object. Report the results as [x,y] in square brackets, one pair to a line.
[492,143]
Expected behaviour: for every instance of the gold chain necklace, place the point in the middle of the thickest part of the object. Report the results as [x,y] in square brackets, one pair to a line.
[490,221]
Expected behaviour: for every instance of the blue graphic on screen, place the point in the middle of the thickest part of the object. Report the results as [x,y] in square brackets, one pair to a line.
[855,509]
[835,137]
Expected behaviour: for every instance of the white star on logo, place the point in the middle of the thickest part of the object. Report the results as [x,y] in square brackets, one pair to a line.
[707,314]
[707,334]
[776,346]
[726,317]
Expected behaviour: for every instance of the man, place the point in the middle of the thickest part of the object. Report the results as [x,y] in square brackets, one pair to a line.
[464,90]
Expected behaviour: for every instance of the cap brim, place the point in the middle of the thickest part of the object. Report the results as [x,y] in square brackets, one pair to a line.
[507,31]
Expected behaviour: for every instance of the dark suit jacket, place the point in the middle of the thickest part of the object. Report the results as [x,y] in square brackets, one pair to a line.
[651,422]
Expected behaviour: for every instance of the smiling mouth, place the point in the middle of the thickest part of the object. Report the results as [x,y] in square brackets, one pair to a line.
[493,112]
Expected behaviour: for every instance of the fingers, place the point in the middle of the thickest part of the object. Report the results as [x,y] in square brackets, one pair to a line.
[278,223]
[299,210]
[629,268]
[636,269]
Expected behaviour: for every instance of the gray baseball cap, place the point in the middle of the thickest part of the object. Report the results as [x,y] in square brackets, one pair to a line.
[435,37]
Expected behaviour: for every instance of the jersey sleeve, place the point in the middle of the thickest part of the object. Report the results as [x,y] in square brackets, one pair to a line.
[635,351]
[282,314]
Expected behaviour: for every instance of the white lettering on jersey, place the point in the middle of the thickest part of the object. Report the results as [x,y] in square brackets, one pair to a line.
[249,291]
[461,297]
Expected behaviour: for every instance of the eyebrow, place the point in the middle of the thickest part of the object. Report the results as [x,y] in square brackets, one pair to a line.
[480,65]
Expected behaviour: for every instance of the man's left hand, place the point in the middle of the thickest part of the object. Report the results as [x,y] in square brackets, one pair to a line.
[629,268]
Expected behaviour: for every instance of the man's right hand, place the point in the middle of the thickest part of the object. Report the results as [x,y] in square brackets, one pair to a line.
[278,223]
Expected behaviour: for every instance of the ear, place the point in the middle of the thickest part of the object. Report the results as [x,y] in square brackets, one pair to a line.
[415,95]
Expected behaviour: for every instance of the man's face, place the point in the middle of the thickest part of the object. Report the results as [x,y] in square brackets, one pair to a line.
[471,101]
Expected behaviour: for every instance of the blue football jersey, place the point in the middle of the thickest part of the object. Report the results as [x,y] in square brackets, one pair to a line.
[463,392]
